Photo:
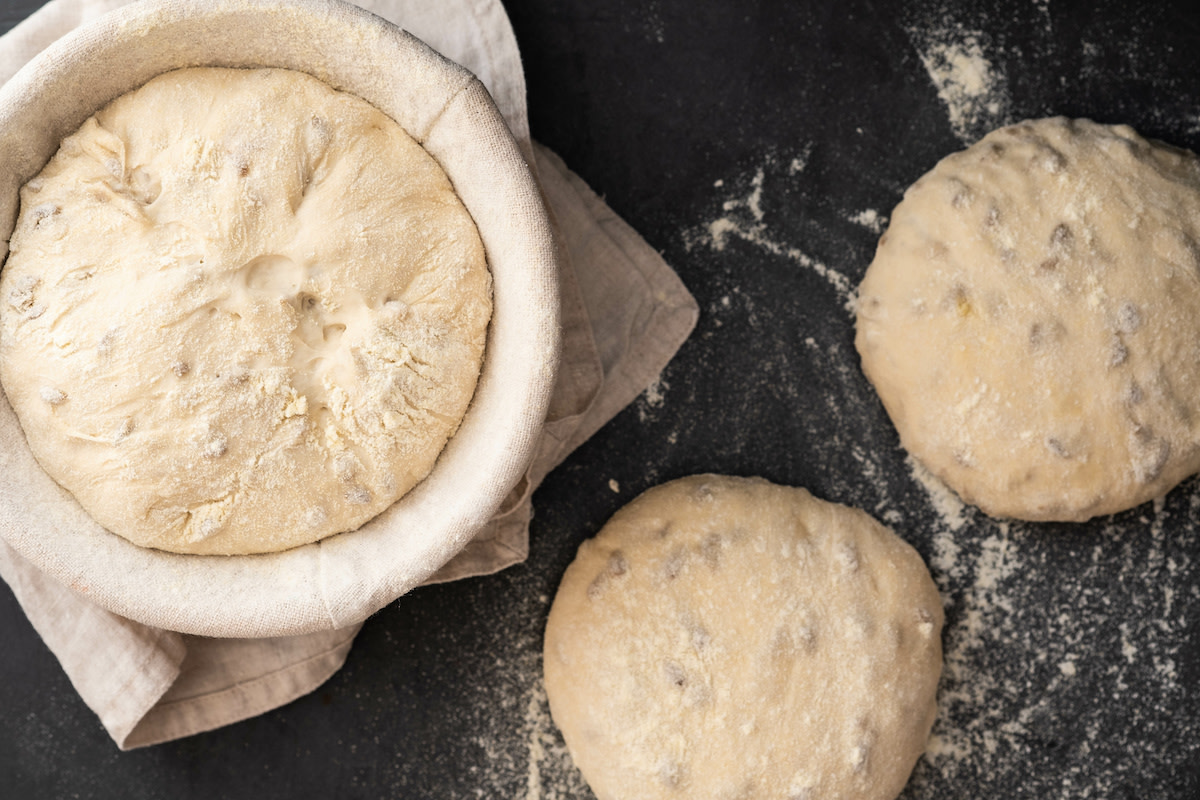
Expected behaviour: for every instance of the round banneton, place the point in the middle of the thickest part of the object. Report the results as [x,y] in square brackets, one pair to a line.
[728,637]
[1031,320]
[342,579]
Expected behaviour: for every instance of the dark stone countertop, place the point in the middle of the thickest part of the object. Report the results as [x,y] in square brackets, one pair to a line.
[759,146]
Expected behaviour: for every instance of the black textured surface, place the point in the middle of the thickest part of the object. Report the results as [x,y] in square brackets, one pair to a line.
[745,140]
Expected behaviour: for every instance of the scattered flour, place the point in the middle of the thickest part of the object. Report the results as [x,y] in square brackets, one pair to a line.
[652,399]
[952,511]
[971,87]
[537,749]
[542,748]
[521,754]
[870,219]
[744,218]
[1049,655]
[652,22]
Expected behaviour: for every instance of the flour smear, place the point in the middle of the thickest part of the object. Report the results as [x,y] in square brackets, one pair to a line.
[529,754]
[744,217]
[968,80]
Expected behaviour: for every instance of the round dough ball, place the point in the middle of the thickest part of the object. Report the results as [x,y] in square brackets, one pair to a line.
[726,638]
[242,312]
[1031,320]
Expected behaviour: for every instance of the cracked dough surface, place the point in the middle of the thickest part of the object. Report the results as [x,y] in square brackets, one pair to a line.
[728,638]
[1031,320]
[242,312]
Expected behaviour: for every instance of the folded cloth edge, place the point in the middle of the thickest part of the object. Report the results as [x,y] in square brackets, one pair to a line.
[168,720]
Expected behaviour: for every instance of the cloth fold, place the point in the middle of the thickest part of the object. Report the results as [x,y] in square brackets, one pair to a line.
[625,314]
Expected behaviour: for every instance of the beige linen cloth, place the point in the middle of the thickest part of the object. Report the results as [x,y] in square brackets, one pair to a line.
[625,313]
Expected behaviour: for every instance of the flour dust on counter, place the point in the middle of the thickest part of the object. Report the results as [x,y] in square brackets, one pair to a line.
[802,363]
[952,512]
[1062,647]
[649,21]
[530,758]
[744,218]
[652,398]
[968,83]
[870,219]
[963,58]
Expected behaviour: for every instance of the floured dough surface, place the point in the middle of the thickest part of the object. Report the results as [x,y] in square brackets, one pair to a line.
[1031,320]
[242,312]
[726,638]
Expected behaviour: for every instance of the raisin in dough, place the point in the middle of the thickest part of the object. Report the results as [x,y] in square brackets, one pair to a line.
[242,312]
[726,638]
[1031,320]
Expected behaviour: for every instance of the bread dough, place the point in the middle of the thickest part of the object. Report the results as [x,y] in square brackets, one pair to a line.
[1031,320]
[242,312]
[727,638]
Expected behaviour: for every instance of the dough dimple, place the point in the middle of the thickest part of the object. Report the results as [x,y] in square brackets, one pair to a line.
[800,662]
[242,312]
[1031,321]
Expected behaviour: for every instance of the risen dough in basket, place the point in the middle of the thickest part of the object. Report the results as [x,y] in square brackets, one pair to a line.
[729,638]
[1031,320]
[242,312]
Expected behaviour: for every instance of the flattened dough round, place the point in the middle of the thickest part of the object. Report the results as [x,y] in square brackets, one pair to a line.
[242,312]
[1031,320]
[730,638]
